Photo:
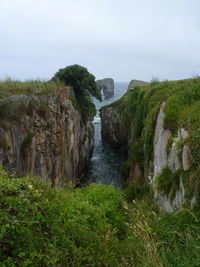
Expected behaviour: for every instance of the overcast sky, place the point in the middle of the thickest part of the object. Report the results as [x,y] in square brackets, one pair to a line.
[129,39]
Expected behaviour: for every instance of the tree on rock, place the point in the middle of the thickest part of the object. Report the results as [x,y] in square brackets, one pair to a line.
[80,79]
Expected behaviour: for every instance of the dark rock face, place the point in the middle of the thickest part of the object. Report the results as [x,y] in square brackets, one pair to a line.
[112,127]
[107,85]
[134,83]
[45,136]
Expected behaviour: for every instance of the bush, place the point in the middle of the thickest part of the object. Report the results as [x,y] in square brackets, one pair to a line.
[41,226]
[92,226]
[133,192]
[80,79]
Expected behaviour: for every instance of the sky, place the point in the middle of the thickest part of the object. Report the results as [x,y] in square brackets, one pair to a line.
[125,40]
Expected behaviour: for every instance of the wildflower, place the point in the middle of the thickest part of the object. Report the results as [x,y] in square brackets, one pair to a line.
[30,186]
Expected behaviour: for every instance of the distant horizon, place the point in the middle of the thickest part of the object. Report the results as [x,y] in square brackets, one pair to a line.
[124,40]
[115,81]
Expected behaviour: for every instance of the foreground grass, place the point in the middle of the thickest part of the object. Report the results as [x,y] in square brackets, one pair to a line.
[92,226]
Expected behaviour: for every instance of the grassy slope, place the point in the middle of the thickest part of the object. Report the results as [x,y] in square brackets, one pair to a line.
[92,226]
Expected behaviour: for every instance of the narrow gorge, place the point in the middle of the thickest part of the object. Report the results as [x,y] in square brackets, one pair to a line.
[77,190]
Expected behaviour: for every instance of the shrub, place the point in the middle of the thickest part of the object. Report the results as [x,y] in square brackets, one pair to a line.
[41,226]
[80,79]
[92,226]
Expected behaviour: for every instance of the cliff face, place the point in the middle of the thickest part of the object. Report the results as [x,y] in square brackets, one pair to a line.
[162,139]
[175,159]
[45,135]
[111,120]
[107,85]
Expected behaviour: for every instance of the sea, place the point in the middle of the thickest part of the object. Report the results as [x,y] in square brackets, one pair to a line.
[106,163]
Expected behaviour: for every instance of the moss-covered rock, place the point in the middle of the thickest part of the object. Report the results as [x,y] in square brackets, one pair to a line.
[155,118]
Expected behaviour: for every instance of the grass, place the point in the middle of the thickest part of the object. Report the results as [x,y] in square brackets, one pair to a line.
[11,87]
[168,181]
[10,111]
[92,226]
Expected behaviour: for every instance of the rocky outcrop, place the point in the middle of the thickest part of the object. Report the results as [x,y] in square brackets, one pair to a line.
[161,137]
[134,83]
[161,150]
[45,135]
[107,85]
[174,159]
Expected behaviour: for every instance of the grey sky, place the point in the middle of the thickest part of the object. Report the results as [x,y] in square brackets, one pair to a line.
[125,39]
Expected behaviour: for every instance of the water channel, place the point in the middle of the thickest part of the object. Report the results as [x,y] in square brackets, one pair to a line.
[105,164]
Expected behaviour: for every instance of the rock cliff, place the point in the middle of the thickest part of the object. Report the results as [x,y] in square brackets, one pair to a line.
[45,135]
[157,125]
[107,85]
[134,83]
[112,122]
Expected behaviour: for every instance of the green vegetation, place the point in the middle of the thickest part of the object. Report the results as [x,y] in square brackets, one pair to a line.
[10,111]
[84,105]
[14,108]
[139,109]
[167,181]
[83,83]
[92,226]
[10,87]
[43,107]
[41,226]
[80,79]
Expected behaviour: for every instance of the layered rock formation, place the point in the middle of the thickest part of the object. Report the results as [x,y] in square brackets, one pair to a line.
[162,146]
[134,83]
[107,85]
[45,135]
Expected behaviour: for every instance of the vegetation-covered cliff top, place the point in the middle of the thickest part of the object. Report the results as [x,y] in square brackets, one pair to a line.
[181,99]
[11,87]
[142,104]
